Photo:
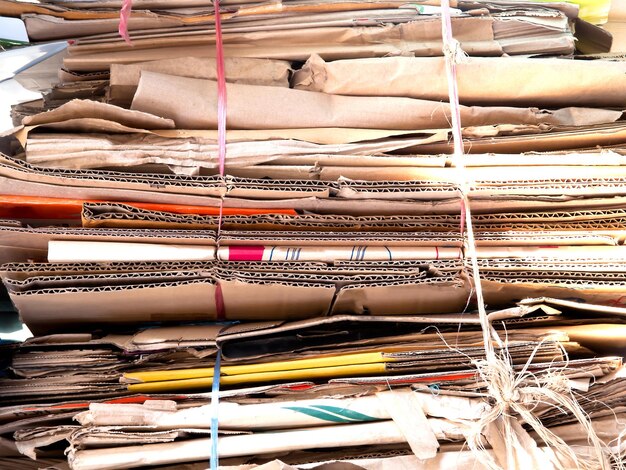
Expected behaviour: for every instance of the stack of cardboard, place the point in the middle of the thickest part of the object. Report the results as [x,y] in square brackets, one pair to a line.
[324,279]
[138,398]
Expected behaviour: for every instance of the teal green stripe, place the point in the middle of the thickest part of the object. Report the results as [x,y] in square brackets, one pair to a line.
[318,414]
[332,413]
[350,414]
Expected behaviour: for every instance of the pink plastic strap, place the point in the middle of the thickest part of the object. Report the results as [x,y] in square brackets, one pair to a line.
[221,102]
[463,216]
[221,89]
[127,6]
[220,305]
[453,90]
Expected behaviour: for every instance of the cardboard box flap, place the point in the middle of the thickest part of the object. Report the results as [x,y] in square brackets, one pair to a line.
[592,281]
[328,277]
[16,170]
[275,300]
[24,271]
[39,237]
[85,280]
[544,238]
[353,189]
[197,334]
[581,138]
[351,336]
[594,219]
[259,330]
[82,192]
[555,275]
[569,305]
[10,223]
[57,340]
[55,309]
[592,264]
[431,295]
[109,214]
[502,292]
[190,300]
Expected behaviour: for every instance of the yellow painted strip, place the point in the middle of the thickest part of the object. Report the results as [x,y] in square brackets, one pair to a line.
[207,372]
[284,375]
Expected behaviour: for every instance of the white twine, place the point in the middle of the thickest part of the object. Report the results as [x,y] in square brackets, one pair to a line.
[515,395]
[454,54]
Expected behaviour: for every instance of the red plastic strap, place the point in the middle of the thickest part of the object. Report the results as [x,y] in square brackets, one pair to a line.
[219,303]
[127,6]
[463,215]
[219,220]
[453,93]
[221,139]
[221,103]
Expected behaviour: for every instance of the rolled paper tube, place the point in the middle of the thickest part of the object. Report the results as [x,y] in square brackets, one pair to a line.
[335,253]
[277,415]
[62,251]
[383,432]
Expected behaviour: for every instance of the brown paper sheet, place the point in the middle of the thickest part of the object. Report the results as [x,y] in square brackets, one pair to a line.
[481,80]
[125,78]
[422,38]
[556,140]
[92,109]
[81,151]
[192,104]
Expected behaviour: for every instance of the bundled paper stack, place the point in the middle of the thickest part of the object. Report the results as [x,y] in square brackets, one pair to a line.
[320,303]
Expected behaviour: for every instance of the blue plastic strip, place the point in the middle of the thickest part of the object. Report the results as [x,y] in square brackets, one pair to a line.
[215,401]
